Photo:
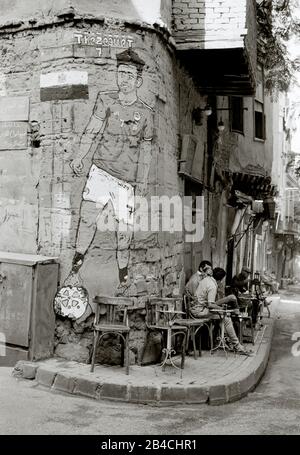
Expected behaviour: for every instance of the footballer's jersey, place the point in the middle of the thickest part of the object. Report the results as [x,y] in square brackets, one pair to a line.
[125,127]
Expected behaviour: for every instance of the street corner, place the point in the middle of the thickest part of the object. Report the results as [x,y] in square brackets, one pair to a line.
[213,380]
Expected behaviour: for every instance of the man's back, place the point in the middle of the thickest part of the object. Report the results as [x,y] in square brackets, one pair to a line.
[205,294]
[207,291]
[193,283]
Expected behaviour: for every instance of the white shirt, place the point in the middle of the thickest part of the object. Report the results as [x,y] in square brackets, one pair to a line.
[207,291]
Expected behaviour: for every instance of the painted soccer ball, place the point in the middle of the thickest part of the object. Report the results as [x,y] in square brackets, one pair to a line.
[71,302]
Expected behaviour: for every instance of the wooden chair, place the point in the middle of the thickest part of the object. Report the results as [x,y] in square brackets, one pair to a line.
[111,318]
[194,325]
[161,316]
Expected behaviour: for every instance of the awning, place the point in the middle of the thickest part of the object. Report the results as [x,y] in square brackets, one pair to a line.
[256,186]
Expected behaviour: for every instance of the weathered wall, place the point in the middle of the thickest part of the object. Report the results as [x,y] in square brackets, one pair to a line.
[252,155]
[156,11]
[19,10]
[242,152]
[42,197]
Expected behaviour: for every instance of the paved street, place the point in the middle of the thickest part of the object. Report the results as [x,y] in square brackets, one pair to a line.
[274,408]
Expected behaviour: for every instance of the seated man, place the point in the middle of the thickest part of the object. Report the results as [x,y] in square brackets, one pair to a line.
[206,300]
[240,287]
[205,269]
[241,281]
[230,300]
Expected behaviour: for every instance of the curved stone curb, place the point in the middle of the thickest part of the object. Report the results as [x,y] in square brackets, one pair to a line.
[234,387]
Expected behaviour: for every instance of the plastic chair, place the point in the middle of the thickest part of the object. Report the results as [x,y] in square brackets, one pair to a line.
[111,318]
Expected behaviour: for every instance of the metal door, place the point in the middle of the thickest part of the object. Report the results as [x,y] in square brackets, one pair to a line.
[15,303]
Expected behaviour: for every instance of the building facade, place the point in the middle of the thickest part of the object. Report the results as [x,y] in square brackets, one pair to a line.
[102,103]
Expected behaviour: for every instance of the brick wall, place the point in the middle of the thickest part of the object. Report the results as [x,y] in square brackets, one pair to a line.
[215,23]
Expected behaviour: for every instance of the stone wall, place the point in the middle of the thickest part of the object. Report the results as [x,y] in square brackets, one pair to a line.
[61,70]
[156,11]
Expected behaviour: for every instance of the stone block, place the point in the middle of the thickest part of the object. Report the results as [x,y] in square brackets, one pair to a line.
[57,52]
[132,291]
[86,387]
[217,395]
[153,287]
[144,240]
[138,256]
[167,263]
[153,255]
[45,377]
[247,384]
[141,286]
[233,391]
[64,383]
[173,395]
[25,370]
[167,291]
[73,351]
[170,278]
[143,394]
[196,395]
[177,11]
[114,391]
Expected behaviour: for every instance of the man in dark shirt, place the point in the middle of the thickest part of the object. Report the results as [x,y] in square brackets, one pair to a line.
[241,281]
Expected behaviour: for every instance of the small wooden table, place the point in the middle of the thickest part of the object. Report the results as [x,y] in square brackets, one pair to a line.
[169,319]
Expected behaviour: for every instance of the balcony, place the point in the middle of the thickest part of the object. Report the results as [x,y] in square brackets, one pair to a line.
[216,41]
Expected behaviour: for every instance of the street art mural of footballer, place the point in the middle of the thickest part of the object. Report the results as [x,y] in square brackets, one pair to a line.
[118,138]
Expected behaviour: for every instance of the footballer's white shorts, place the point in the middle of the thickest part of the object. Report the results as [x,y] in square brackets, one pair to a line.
[101,187]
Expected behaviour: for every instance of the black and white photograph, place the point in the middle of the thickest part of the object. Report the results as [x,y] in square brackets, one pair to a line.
[149,222]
